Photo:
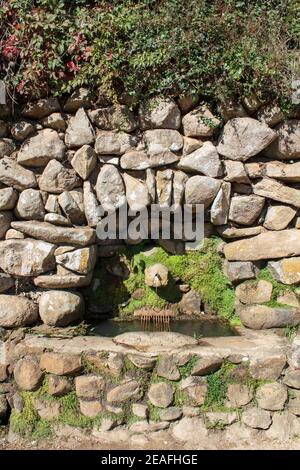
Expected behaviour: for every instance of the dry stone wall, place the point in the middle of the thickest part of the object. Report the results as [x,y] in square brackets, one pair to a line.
[68,387]
[61,161]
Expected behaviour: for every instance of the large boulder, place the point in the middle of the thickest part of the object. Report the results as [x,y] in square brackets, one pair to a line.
[204,160]
[56,178]
[116,117]
[60,308]
[242,138]
[200,122]
[258,317]
[286,146]
[268,245]
[30,205]
[26,257]
[110,188]
[53,234]
[201,190]
[17,311]
[79,131]
[159,113]
[14,175]
[39,149]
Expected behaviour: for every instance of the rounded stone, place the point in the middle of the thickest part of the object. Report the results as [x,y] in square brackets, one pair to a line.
[28,374]
[161,394]
[60,308]
[256,418]
[30,205]
[156,275]
[272,396]
[201,190]
[17,311]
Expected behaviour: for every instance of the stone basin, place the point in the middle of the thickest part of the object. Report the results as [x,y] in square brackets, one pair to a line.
[249,344]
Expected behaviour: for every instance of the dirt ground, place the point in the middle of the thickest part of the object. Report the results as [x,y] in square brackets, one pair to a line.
[162,441]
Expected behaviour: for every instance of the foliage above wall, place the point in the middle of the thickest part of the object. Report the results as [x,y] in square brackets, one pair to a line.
[215,48]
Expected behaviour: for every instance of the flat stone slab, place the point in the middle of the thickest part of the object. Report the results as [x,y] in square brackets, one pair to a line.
[145,341]
[251,345]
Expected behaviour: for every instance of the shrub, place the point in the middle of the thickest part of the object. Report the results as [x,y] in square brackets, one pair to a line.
[215,48]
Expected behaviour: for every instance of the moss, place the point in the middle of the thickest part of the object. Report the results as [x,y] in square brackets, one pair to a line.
[42,430]
[180,397]
[235,321]
[291,331]
[154,412]
[187,368]
[133,419]
[70,413]
[29,424]
[277,288]
[202,270]
[217,387]
[25,423]
[103,370]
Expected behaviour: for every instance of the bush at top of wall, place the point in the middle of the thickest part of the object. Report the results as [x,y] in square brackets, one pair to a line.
[218,49]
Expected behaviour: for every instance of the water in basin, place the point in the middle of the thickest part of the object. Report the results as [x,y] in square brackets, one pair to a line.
[197,328]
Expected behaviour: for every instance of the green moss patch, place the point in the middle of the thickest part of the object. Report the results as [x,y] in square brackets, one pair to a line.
[202,270]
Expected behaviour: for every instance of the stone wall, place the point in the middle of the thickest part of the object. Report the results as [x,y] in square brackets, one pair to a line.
[62,160]
[109,390]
